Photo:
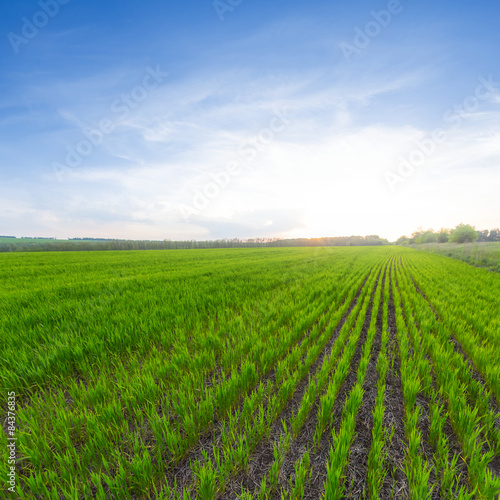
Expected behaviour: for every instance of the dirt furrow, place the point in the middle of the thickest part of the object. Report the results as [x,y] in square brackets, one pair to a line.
[356,473]
[476,376]
[263,457]
[425,297]
[422,401]
[182,473]
[424,424]
[395,484]
[457,347]
[320,456]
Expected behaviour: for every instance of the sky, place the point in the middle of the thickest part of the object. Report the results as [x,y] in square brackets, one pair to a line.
[248,118]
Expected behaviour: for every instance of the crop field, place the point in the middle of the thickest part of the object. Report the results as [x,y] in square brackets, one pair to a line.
[484,254]
[356,372]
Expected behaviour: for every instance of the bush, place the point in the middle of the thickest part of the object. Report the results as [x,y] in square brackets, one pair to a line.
[463,233]
[443,236]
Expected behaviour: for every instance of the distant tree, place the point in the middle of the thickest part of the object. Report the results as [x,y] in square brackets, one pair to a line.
[402,240]
[483,235]
[494,235]
[420,236]
[416,237]
[428,237]
[443,236]
[463,233]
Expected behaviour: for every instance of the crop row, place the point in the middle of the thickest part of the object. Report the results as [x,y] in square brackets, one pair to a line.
[292,373]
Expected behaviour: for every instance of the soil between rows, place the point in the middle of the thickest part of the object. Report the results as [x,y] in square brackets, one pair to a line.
[395,483]
[320,457]
[454,446]
[494,465]
[182,474]
[356,474]
[263,457]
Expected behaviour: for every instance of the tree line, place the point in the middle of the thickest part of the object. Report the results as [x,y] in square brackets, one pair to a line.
[88,244]
[463,233]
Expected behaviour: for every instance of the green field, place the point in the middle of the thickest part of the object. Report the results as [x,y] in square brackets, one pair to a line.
[39,241]
[26,240]
[249,373]
[485,255]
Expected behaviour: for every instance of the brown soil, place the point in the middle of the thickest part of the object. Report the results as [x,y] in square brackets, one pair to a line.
[263,457]
[396,483]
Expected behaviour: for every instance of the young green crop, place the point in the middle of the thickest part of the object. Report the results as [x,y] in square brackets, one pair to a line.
[131,367]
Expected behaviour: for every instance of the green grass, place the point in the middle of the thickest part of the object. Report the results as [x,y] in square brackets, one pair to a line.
[35,241]
[27,240]
[485,255]
[126,364]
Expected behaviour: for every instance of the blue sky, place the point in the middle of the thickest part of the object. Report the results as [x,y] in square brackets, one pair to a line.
[202,119]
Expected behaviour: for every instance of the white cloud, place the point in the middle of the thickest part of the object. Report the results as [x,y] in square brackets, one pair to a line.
[322,175]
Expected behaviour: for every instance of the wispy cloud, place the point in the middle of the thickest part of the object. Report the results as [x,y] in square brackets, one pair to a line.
[323,174]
